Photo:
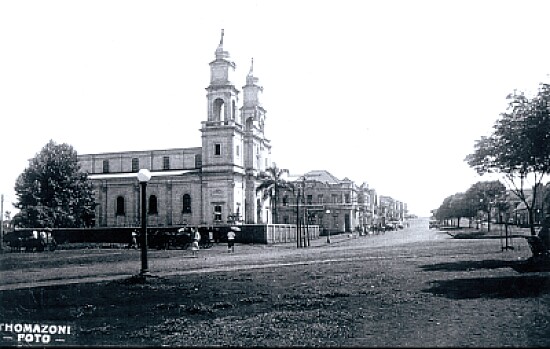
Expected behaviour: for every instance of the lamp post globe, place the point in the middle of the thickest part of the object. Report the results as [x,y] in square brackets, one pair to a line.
[144,175]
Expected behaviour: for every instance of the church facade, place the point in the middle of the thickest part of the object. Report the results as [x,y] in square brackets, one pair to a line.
[210,185]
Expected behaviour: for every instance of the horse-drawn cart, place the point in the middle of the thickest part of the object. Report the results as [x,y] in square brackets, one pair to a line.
[30,240]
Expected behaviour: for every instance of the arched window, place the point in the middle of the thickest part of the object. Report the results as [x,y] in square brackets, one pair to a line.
[186,203]
[153,209]
[120,211]
[218,110]
[249,124]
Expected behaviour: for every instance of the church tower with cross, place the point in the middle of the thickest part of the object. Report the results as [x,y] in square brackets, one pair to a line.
[257,146]
[210,185]
[234,148]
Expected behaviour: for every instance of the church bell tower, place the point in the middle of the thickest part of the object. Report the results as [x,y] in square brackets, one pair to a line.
[222,132]
[222,169]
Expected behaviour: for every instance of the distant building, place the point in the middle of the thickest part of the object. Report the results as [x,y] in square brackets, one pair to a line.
[333,204]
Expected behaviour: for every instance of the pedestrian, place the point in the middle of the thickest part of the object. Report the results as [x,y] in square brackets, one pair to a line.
[196,239]
[133,241]
[230,241]
[210,237]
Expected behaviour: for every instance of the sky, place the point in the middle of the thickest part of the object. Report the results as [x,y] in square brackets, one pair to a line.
[391,93]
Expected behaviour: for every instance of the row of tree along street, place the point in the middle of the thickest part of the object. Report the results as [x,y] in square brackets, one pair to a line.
[519,151]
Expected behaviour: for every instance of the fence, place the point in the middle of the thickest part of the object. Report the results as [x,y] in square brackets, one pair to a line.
[273,233]
[250,233]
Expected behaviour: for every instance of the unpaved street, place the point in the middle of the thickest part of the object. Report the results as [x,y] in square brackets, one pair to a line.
[76,266]
[413,287]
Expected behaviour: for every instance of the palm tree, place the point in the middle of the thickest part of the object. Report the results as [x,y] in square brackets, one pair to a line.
[272,181]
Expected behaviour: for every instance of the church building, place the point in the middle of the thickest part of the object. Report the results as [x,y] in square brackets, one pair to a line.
[210,185]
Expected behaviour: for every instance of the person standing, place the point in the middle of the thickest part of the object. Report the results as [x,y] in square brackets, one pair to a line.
[133,241]
[210,237]
[196,239]
[230,241]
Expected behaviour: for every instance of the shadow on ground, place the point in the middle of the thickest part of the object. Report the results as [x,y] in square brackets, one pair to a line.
[500,287]
[470,265]
[521,266]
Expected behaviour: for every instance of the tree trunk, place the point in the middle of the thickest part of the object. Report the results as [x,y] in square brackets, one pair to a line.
[489,220]
[531,221]
[276,206]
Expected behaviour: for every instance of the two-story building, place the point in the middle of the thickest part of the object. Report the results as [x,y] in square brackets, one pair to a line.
[333,204]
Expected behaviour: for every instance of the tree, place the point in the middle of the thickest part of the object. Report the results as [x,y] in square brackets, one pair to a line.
[52,192]
[519,148]
[482,196]
[272,183]
[444,212]
[454,206]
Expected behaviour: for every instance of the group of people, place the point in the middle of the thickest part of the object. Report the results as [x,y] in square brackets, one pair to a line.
[197,238]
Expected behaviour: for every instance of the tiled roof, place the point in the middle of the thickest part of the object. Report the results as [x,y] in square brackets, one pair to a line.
[316,175]
[322,176]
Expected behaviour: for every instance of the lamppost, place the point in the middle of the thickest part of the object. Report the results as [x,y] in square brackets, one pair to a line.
[300,215]
[328,230]
[143,177]
[298,235]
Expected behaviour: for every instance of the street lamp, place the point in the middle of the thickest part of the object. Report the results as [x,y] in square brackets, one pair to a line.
[328,230]
[143,177]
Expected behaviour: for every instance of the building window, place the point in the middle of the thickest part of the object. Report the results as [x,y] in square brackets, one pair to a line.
[153,209]
[120,211]
[218,110]
[334,198]
[135,165]
[286,220]
[309,199]
[166,163]
[285,200]
[238,150]
[198,161]
[105,166]
[320,198]
[217,213]
[346,196]
[217,149]
[186,203]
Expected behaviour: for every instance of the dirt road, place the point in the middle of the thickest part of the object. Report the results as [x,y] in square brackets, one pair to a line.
[23,270]
[414,287]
